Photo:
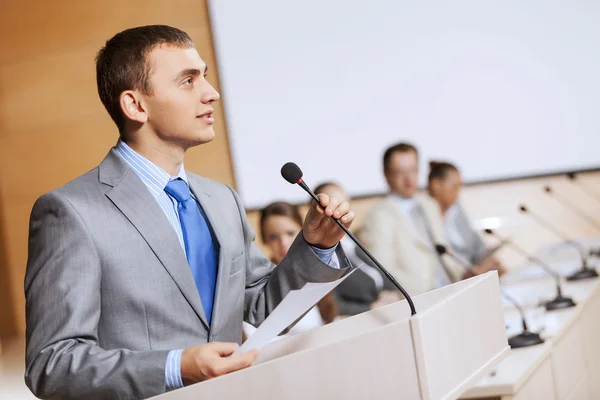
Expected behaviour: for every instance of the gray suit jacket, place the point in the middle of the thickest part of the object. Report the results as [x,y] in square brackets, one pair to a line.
[470,247]
[109,291]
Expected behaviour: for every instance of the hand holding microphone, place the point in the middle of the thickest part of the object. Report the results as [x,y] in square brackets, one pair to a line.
[320,228]
[323,224]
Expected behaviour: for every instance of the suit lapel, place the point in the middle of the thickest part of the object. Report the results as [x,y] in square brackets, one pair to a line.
[134,200]
[213,211]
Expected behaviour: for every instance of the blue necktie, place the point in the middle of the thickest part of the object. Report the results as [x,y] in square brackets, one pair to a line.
[199,246]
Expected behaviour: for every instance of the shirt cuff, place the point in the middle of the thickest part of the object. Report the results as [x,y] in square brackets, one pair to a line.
[325,255]
[173,370]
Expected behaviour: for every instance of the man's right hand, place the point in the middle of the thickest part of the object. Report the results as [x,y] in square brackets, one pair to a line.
[210,360]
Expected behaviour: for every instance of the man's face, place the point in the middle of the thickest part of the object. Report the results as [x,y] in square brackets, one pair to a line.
[402,173]
[179,104]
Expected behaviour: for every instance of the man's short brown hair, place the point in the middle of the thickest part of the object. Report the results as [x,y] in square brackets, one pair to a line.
[402,147]
[122,64]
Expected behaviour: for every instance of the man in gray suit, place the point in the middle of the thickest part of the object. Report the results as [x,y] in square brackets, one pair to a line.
[139,272]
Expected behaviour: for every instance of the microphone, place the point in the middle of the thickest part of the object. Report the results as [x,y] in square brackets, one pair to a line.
[584,272]
[573,177]
[575,210]
[559,302]
[523,339]
[430,235]
[293,174]
[442,250]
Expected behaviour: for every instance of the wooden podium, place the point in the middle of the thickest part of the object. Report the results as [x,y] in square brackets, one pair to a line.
[457,336]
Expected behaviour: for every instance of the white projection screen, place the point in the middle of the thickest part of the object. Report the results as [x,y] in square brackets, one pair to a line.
[503,89]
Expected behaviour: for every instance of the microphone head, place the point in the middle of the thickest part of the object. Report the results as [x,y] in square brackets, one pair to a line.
[548,189]
[489,231]
[291,173]
[571,176]
[441,249]
[523,209]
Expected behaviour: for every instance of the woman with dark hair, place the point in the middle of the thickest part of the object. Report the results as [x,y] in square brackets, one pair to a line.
[444,184]
[280,223]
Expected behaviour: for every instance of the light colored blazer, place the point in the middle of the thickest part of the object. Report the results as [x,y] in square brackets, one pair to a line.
[109,291]
[390,235]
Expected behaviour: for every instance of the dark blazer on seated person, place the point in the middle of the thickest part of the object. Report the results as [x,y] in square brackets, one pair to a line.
[357,292]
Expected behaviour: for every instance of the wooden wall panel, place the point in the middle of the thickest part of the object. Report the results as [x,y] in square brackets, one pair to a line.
[53,126]
[32,27]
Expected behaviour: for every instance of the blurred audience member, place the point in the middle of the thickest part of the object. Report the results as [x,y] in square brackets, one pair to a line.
[444,184]
[402,229]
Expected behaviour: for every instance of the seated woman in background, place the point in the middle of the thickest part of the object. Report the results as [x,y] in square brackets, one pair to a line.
[444,184]
[366,288]
[280,223]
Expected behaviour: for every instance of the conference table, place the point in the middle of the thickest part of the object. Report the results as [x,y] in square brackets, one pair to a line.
[567,365]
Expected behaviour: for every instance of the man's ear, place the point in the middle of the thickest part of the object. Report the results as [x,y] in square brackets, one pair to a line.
[130,102]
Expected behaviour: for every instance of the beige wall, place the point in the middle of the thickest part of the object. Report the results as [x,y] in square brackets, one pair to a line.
[52,124]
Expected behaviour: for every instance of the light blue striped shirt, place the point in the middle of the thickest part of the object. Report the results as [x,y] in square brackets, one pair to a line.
[156,179]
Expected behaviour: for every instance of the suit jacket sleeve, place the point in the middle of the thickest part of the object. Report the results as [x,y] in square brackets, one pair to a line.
[267,284]
[62,290]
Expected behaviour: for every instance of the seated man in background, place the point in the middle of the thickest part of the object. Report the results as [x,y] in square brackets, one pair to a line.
[444,183]
[365,289]
[401,230]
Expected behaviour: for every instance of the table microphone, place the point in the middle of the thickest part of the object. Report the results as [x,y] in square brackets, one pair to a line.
[293,174]
[443,250]
[559,302]
[585,272]
[523,339]
[575,210]
[573,177]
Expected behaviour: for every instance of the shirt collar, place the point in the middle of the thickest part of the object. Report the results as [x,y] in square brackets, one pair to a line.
[405,204]
[151,174]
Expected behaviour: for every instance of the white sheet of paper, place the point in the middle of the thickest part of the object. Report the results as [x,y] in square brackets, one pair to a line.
[293,305]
